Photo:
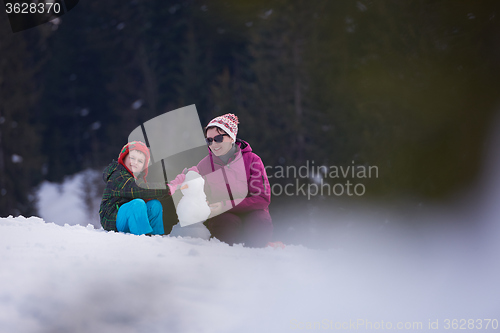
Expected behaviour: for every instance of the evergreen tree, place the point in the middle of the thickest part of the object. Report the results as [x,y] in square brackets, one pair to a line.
[278,91]
[400,84]
[20,158]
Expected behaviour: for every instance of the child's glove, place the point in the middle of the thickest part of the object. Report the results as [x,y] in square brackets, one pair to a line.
[176,183]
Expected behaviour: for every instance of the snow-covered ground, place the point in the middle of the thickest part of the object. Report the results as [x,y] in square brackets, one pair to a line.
[78,279]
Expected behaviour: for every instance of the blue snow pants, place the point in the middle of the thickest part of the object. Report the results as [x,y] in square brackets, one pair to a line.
[139,217]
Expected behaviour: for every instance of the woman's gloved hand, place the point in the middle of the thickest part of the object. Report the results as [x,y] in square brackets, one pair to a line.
[176,183]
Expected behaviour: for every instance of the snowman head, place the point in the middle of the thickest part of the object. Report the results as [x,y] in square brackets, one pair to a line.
[195,184]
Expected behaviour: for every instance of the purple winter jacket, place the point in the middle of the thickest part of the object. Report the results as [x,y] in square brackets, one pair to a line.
[242,185]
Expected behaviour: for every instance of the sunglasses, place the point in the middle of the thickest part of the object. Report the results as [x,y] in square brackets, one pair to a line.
[218,138]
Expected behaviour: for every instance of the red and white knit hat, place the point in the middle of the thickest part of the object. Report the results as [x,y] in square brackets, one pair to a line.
[228,123]
[135,145]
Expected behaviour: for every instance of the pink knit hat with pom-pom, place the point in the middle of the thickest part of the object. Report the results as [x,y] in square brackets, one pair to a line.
[228,123]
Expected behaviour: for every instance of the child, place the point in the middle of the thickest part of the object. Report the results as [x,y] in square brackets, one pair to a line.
[129,203]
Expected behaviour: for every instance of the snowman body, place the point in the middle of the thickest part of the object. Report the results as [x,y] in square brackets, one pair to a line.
[192,209]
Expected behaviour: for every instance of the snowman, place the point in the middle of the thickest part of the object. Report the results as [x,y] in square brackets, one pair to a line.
[192,209]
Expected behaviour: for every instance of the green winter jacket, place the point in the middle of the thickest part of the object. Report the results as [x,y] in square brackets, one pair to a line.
[122,187]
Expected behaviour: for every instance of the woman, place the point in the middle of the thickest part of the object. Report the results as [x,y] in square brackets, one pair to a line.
[129,204]
[236,185]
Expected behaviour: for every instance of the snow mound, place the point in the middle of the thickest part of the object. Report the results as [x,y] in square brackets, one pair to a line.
[79,279]
[74,201]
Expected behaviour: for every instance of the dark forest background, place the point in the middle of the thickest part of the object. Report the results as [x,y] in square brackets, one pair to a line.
[408,86]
